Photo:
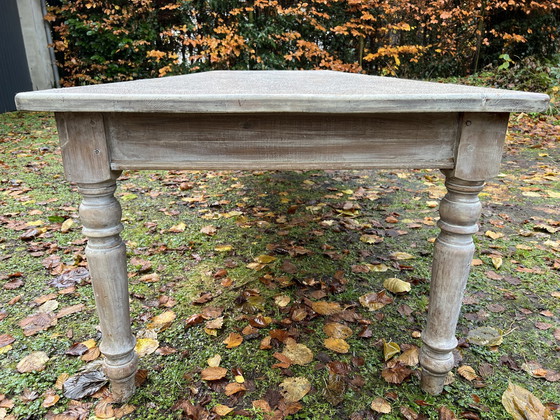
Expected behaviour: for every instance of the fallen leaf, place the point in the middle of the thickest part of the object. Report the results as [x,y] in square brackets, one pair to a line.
[375,301]
[494,235]
[84,384]
[213,373]
[209,230]
[445,413]
[497,262]
[215,324]
[178,228]
[282,301]
[70,278]
[396,374]
[70,310]
[234,388]
[371,239]
[326,308]
[50,399]
[336,330]
[335,389]
[523,405]
[381,405]
[396,286]
[145,346]
[294,389]
[37,322]
[467,372]
[104,410]
[6,339]
[233,340]
[409,357]
[401,256]
[223,248]
[265,259]
[34,362]
[214,361]
[390,349]
[162,321]
[337,345]
[485,336]
[222,410]
[299,354]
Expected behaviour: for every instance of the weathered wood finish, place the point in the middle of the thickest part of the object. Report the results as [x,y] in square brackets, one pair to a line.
[281,141]
[454,248]
[280,120]
[100,214]
[85,153]
[479,150]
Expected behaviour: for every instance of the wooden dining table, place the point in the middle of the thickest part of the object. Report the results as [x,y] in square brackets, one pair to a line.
[279,120]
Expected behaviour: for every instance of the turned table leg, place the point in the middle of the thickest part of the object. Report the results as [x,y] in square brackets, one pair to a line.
[100,214]
[459,211]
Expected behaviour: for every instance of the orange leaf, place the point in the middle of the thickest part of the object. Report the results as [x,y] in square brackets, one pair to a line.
[233,340]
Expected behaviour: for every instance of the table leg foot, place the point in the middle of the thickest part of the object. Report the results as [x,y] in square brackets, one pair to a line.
[453,252]
[122,377]
[100,213]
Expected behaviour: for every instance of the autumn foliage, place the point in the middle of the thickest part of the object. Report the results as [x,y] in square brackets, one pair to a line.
[104,41]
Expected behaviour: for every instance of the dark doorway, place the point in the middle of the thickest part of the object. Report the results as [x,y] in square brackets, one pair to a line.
[14,73]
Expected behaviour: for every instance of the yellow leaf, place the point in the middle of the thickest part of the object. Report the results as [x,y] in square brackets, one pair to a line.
[214,361]
[494,235]
[282,301]
[497,262]
[337,345]
[371,239]
[89,343]
[467,372]
[326,308]
[223,248]
[162,321]
[145,346]
[66,225]
[395,285]
[377,268]
[553,194]
[522,405]
[294,389]
[299,354]
[390,349]
[265,259]
[380,405]
[233,340]
[222,410]
[178,228]
[402,256]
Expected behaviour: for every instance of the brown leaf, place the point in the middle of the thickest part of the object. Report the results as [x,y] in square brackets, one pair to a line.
[50,399]
[336,330]
[233,340]
[104,410]
[234,388]
[288,267]
[285,361]
[215,324]
[37,322]
[335,389]
[194,320]
[70,310]
[410,357]
[204,297]
[149,278]
[445,413]
[326,308]
[213,373]
[6,339]
[375,301]
[337,345]
[396,374]
[34,362]
[222,410]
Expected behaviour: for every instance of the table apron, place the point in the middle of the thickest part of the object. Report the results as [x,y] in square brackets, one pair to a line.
[281,141]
